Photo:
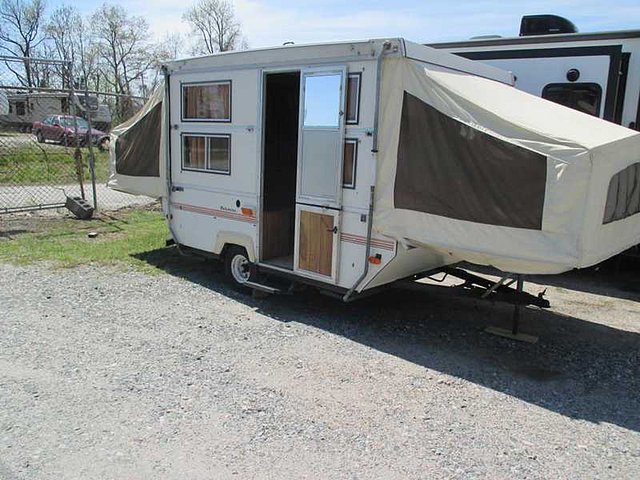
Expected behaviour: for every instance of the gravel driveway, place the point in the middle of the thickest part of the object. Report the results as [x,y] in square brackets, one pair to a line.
[106,374]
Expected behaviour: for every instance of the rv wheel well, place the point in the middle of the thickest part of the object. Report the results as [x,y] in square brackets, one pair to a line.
[226,240]
[230,246]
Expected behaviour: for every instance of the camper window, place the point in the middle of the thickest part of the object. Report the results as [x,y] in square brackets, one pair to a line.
[349,164]
[21,108]
[208,153]
[353,98]
[584,97]
[210,101]
[322,100]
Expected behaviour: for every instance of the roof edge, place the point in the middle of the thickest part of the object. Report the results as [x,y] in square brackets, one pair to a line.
[538,39]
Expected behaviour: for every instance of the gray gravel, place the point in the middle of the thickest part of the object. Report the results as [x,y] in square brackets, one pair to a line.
[111,374]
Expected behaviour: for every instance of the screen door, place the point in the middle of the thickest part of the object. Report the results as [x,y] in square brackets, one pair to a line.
[321,137]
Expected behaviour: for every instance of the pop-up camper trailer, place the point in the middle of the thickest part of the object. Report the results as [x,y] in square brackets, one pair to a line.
[353,165]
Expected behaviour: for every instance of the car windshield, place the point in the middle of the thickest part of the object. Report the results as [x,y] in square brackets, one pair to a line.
[70,122]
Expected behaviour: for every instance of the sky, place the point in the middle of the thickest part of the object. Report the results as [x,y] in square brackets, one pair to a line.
[273,22]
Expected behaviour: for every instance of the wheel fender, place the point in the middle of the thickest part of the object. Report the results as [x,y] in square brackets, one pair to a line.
[234,238]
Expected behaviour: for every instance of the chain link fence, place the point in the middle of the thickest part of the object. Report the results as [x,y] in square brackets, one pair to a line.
[54,140]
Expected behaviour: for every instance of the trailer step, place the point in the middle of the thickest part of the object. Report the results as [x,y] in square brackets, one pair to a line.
[263,288]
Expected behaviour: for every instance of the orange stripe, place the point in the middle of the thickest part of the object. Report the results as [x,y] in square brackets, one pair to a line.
[360,240]
[380,241]
[215,213]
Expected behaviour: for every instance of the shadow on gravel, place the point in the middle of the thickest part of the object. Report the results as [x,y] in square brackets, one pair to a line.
[578,369]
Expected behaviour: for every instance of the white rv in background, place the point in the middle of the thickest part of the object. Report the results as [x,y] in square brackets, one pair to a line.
[353,165]
[596,73]
[24,109]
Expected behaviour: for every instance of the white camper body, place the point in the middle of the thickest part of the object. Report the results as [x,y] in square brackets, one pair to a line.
[353,165]
[598,73]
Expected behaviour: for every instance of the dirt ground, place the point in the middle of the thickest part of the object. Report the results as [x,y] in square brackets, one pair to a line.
[108,374]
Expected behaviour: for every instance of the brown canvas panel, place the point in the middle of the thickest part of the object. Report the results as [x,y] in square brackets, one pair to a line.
[138,149]
[448,168]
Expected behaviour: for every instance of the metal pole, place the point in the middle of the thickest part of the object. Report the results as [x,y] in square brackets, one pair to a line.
[92,163]
[367,250]
[517,313]
[72,110]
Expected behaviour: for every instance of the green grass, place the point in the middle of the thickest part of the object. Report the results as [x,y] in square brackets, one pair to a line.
[125,238]
[48,164]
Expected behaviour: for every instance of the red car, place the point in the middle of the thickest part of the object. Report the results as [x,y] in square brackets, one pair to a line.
[63,129]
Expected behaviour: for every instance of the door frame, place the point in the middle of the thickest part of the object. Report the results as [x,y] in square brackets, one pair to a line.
[262,109]
[335,251]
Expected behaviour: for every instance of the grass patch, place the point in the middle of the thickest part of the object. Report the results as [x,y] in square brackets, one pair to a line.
[124,238]
[47,164]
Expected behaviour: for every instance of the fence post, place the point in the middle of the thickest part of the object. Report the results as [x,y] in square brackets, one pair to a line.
[88,137]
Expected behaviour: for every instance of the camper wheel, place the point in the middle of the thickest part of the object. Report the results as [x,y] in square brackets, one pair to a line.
[237,265]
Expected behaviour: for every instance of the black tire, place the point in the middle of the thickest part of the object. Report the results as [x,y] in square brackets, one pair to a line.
[39,137]
[237,266]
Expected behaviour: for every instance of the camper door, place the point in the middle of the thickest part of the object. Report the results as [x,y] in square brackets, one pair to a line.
[320,157]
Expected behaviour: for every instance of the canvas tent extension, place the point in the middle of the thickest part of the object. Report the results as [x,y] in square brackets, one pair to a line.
[488,174]
[137,154]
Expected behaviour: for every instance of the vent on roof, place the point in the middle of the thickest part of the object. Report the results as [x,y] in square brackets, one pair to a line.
[545,25]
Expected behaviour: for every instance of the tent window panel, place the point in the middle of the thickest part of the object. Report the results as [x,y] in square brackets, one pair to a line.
[349,163]
[584,97]
[353,98]
[210,101]
[450,169]
[138,148]
[623,196]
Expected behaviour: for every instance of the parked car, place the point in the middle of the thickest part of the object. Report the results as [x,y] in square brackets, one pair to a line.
[63,129]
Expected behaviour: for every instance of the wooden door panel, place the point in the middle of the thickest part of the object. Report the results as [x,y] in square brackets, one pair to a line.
[316,242]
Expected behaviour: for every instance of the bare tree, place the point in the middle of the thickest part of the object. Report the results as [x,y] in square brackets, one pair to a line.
[172,45]
[215,25]
[63,30]
[21,24]
[73,42]
[126,54]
